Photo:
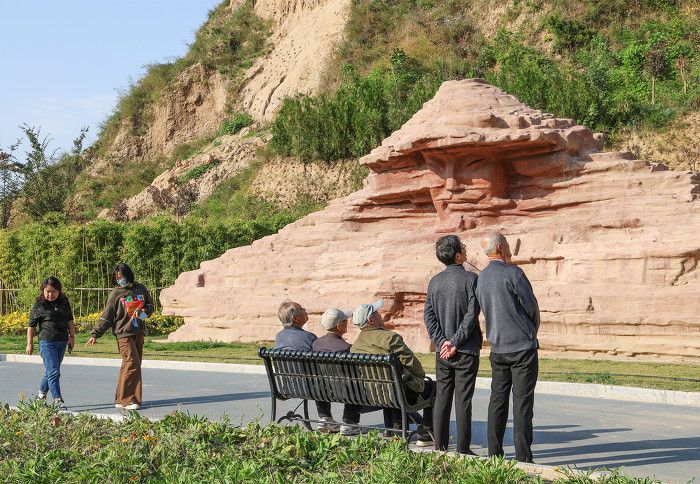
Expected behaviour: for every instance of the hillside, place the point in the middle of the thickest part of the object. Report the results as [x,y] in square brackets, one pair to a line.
[293,47]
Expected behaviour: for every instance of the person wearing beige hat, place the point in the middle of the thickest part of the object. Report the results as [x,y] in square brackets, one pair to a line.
[335,321]
[374,339]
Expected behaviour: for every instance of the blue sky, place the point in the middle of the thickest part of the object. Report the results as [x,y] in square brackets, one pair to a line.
[65,61]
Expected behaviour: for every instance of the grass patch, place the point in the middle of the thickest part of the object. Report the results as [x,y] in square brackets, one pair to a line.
[106,347]
[661,376]
[118,184]
[40,445]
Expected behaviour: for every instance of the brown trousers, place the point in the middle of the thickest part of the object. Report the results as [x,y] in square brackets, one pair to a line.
[129,383]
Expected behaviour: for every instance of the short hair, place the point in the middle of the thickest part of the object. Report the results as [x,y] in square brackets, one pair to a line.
[126,272]
[491,241]
[287,311]
[447,248]
[56,284]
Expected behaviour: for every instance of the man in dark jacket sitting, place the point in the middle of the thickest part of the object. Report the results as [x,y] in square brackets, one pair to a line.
[293,337]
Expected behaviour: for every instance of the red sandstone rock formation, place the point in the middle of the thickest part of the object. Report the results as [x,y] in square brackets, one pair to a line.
[609,243]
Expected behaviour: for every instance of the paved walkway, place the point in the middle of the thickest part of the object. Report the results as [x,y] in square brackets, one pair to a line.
[650,439]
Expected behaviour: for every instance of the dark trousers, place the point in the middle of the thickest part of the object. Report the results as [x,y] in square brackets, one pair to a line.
[351,413]
[129,383]
[392,416]
[454,376]
[516,371]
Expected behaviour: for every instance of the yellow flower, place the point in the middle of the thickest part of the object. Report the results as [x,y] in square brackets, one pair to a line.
[21,396]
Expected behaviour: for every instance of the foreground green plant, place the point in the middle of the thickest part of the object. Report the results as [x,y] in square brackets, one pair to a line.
[40,445]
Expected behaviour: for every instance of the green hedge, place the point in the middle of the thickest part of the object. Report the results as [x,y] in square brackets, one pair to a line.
[157,250]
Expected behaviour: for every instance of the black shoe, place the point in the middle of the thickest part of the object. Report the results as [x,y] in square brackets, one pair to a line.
[424,439]
[469,452]
[392,433]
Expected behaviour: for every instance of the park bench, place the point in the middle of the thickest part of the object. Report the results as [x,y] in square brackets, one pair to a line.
[360,379]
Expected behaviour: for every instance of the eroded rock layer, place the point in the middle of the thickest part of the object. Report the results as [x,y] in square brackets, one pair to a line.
[610,243]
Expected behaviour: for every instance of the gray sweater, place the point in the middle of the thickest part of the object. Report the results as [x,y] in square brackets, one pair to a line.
[510,308]
[294,338]
[452,311]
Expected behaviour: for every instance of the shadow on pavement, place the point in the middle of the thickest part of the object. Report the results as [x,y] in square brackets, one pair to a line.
[564,434]
[631,453]
[177,402]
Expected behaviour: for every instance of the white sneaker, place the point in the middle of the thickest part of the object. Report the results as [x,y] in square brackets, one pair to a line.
[60,404]
[132,406]
[330,426]
[347,430]
[41,395]
[118,405]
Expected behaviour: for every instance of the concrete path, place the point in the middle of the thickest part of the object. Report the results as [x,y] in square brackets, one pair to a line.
[649,439]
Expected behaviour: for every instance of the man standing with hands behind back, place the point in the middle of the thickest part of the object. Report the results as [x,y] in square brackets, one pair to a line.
[451,316]
[512,320]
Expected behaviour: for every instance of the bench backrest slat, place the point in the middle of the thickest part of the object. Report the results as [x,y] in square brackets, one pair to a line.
[371,380]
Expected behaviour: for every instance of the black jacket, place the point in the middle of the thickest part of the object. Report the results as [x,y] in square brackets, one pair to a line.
[52,319]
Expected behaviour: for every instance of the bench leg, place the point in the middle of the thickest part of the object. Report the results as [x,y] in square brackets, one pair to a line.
[404,424]
[306,415]
[274,409]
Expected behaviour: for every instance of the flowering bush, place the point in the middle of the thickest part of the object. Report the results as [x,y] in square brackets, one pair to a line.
[158,324]
[16,323]
[83,324]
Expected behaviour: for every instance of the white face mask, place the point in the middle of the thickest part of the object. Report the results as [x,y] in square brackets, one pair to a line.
[122,282]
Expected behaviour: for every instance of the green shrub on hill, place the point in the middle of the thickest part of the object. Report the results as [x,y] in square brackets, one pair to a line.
[235,123]
[355,119]
[627,74]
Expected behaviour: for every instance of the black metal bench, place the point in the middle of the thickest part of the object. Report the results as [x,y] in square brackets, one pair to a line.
[360,379]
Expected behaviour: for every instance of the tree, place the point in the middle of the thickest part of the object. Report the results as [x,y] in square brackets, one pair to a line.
[48,177]
[9,184]
[655,64]
[682,67]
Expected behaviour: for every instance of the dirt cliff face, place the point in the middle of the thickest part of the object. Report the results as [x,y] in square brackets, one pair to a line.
[609,242]
[193,106]
[304,35]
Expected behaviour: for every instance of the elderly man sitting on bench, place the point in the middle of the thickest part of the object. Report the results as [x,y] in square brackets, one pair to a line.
[374,339]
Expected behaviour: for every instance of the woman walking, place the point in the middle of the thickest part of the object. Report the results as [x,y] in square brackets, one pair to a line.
[53,317]
[127,308]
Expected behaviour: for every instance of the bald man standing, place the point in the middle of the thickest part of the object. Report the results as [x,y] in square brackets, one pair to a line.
[512,319]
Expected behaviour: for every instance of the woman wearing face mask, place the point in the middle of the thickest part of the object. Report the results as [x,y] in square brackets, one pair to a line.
[125,313]
[53,316]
